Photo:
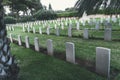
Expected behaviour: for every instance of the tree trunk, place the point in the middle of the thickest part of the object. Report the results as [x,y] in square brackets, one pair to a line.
[17,15]
[8,66]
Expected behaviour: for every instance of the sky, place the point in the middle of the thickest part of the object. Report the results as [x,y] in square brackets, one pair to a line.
[59,4]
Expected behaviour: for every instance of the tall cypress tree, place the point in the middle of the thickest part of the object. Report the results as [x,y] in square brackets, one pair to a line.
[8,66]
[50,7]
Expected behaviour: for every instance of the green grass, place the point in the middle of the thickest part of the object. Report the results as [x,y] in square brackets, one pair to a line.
[85,49]
[37,66]
[118,77]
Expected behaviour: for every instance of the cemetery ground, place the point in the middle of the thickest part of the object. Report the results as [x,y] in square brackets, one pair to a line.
[37,66]
[47,67]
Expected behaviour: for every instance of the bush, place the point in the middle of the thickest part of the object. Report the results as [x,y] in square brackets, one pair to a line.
[26,19]
[67,14]
[45,15]
[10,20]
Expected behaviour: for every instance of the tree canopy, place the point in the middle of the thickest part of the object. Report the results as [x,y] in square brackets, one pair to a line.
[23,5]
[93,6]
[50,7]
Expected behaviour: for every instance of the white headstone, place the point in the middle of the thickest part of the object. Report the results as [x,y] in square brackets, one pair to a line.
[23,29]
[114,19]
[66,23]
[27,42]
[83,23]
[43,26]
[107,34]
[101,20]
[13,28]
[84,14]
[36,44]
[108,25]
[70,30]
[70,52]
[97,26]
[10,28]
[34,30]
[78,25]
[86,34]
[48,31]
[31,26]
[108,19]
[28,29]
[55,26]
[62,26]
[7,28]
[103,61]
[40,30]
[11,39]
[49,47]
[19,40]
[57,31]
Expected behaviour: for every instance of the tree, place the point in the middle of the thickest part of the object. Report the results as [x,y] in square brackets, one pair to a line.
[44,7]
[50,7]
[91,6]
[24,6]
[8,66]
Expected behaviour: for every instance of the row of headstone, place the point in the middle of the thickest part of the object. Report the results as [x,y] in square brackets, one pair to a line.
[102,54]
[10,28]
[48,30]
[20,40]
[62,26]
[64,21]
[102,58]
[36,43]
[96,22]
[107,32]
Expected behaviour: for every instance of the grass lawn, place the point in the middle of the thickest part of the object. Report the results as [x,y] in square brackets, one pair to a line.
[37,66]
[84,49]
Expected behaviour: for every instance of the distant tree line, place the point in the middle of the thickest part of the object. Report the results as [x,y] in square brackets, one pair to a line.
[31,10]
[27,10]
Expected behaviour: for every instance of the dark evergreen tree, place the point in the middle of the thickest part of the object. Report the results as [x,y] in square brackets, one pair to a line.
[50,7]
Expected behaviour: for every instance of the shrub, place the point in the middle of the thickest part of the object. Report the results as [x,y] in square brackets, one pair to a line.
[26,19]
[67,14]
[10,20]
[45,15]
